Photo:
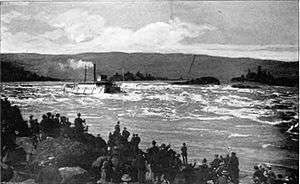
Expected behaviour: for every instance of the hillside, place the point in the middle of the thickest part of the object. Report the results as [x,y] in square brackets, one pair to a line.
[15,73]
[172,66]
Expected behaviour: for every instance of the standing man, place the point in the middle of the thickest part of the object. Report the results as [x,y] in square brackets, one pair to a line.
[125,133]
[233,168]
[184,153]
[79,124]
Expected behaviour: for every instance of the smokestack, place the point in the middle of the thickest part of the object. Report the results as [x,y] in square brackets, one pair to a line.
[95,77]
[84,73]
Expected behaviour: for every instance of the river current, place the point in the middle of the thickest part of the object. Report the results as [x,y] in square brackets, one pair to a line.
[209,119]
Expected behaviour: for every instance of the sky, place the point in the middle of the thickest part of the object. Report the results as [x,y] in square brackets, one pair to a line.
[255,29]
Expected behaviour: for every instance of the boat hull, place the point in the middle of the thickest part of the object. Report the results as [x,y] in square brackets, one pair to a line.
[84,89]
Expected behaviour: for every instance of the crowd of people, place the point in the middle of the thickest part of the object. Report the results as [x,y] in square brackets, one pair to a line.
[263,174]
[124,161]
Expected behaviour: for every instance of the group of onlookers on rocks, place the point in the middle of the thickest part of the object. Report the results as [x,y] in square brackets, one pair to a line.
[263,174]
[122,160]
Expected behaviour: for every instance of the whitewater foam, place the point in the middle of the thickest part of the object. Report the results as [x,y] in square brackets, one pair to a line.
[238,135]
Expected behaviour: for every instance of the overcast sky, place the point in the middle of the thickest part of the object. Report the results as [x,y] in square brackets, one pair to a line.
[257,29]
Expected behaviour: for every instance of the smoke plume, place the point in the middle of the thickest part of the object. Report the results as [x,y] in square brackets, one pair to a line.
[75,64]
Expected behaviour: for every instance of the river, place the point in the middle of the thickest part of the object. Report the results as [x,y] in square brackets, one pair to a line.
[209,119]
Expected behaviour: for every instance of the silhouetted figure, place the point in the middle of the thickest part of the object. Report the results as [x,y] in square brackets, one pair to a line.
[233,168]
[101,142]
[258,176]
[188,173]
[116,175]
[216,162]
[141,167]
[153,160]
[117,128]
[57,120]
[34,125]
[45,126]
[64,122]
[135,140]
[204,170]
[153,151]
[138,139]
[125,133]
[79,124]
[106,172]
[184,153]
[226,159]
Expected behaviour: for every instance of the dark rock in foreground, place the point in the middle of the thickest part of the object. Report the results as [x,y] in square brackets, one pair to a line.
[200,81]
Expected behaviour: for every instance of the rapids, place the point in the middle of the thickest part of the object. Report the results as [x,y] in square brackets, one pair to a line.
[210,119]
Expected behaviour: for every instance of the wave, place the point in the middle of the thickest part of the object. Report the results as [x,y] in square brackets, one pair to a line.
[266,145]
[245,113]
[198,129]
[168,97]
[238,135]
[124,97]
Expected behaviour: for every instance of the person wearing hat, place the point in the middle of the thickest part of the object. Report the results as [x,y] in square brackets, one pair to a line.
[233,168]
[34,126]
[57,120]
[49,115]
[125,133]
[45,125]
[184,153]
[64,122]
[141,167]
[204,171]
[79,124]
[30,121]
[153,159]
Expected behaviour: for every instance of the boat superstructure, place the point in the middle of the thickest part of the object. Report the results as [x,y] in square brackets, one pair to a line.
[99,86]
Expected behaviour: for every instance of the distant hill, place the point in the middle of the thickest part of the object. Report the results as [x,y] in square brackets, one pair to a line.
[13,73]
[172,66]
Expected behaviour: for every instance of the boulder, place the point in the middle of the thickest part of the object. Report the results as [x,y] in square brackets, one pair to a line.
[6,173]
[74,175]
[64,152]
[49,174]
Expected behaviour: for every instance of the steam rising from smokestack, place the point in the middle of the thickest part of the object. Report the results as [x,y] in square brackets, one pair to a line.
[79,64]
[75,64]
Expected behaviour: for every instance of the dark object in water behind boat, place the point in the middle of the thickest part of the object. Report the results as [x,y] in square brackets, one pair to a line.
[200,81]
[244,86]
